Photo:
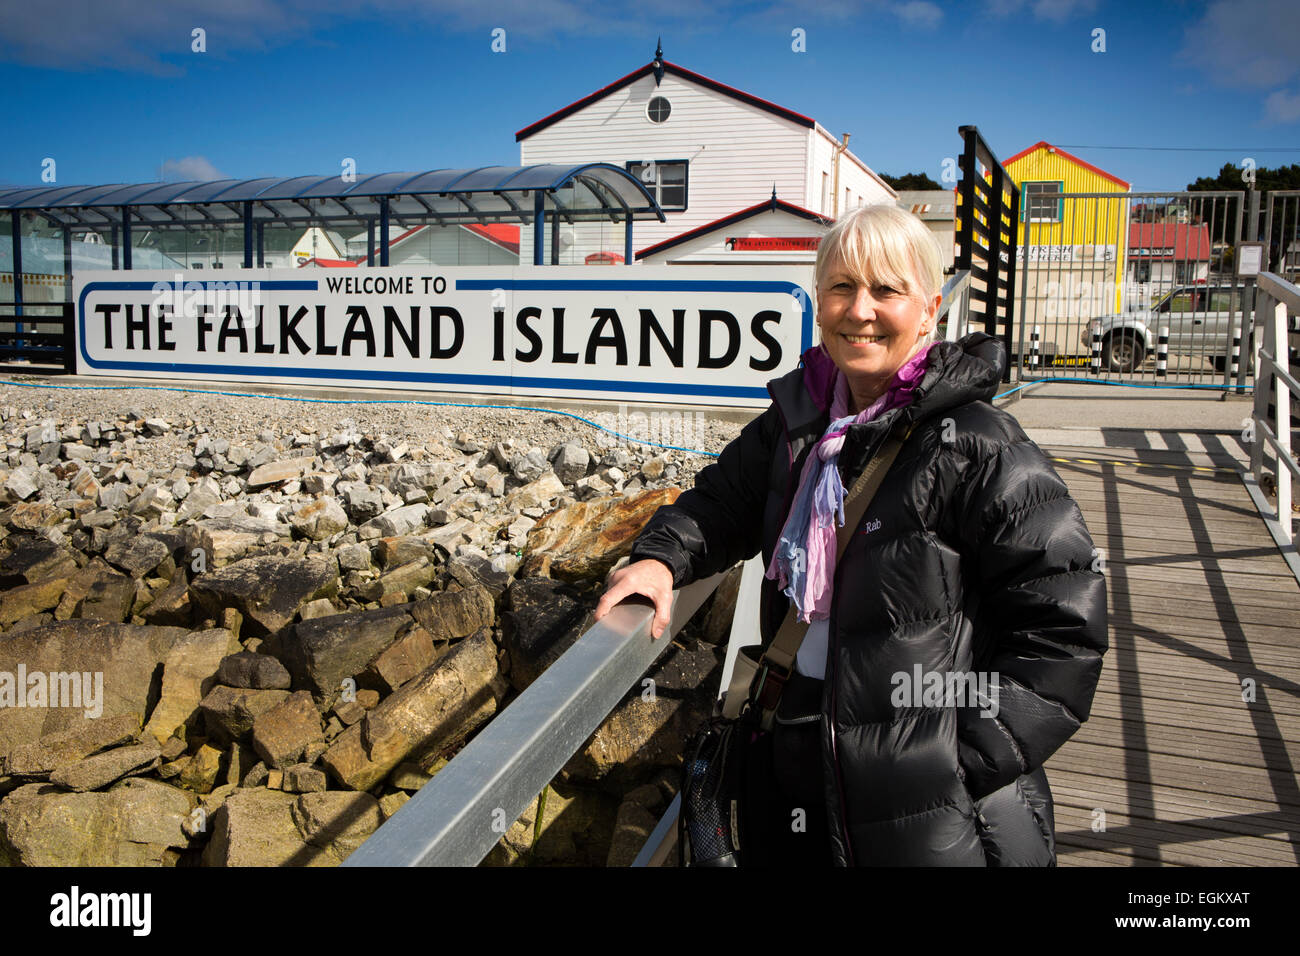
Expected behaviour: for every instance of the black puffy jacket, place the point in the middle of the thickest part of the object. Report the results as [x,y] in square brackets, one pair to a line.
[971,558]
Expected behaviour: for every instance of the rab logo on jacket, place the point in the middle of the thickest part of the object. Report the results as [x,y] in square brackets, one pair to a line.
[870,526]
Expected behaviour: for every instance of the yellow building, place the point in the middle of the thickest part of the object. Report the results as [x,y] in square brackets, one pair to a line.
[1071,251]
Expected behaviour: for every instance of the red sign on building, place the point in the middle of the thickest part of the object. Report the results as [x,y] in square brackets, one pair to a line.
[773,243]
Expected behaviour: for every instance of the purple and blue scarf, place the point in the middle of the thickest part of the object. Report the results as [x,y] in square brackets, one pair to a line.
[803,564]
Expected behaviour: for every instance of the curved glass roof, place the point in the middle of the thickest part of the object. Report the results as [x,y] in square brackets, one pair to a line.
[485,194]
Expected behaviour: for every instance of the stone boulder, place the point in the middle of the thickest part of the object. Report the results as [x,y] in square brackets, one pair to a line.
[429,714]
[324,650]
[282,733]
[583,541]
[97,592]
[541,619]
[27,600]
[647,730]
[136,823]
[119,664]
[254,671]
[257,827]
[57,750]
[320,519]
[27,559]
[138,556]
[274,472]
[97,772]
[267,591]
[189,673]
[575,828]
[451,615]
[226,539]
[229,712]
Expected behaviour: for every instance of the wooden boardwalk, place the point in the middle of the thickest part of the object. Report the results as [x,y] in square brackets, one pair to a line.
[1174,767]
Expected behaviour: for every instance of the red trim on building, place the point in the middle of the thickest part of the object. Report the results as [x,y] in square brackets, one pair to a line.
[1043,144]
[330,263]
[774,243]
[679,71]
[771,205]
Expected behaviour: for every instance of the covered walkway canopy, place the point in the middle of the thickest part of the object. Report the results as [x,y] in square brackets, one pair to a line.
[442,197]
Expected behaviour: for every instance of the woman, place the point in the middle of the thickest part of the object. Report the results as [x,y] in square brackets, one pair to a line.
[972,559]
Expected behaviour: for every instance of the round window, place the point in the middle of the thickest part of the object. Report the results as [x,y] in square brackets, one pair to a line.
[658,109]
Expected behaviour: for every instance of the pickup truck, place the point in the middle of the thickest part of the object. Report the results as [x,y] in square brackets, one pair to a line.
[1200,319]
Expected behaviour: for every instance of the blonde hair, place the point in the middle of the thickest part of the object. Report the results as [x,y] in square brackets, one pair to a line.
[883,244]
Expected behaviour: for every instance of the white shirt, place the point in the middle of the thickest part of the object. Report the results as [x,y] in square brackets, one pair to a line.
[811,659]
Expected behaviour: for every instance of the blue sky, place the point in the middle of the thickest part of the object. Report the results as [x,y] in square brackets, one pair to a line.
[111,90]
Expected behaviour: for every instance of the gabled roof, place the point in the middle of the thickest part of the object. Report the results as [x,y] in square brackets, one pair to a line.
[1044,144]
[499,233]
[771,205]
[1183,240]
[679,71]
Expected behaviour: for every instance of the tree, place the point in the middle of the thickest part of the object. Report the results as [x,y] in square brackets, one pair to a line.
[910,181]
[1266,180]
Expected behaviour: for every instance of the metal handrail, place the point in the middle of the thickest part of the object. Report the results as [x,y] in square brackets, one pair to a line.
[1277,298]
[460,815]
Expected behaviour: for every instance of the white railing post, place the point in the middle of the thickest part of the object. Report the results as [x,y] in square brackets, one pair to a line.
[1276,299]
[1282,405]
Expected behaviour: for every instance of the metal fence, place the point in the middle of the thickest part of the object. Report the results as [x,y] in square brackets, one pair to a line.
[1282,233]
[40,334]
[1134,287]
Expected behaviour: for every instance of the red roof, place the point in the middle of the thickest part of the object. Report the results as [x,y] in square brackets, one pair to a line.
[1169,240]
[676,70]
[1043,144]
[770,205]
[503,234]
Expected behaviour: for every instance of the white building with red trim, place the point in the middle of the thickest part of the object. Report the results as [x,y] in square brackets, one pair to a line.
[714,157]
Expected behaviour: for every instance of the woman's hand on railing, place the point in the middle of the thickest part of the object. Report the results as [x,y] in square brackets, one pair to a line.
[649,578]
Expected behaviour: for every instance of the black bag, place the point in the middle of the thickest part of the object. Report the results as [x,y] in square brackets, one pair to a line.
[728,750]
[711,830]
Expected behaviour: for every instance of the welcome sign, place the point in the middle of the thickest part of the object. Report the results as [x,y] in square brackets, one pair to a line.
[702,335]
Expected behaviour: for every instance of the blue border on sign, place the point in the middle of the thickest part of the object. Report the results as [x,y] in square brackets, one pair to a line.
[446,378]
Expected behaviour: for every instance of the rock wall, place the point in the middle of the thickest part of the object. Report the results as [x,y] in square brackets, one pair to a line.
[256,654]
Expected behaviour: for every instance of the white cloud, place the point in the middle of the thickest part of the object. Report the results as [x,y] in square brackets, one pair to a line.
[1062,10]
[191,168]
[919,13]
[1057,11]
[1245,43]
[1282,107]
[153,37]
[137,35]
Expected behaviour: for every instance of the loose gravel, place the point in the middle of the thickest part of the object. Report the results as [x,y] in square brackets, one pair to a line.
[250,419]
